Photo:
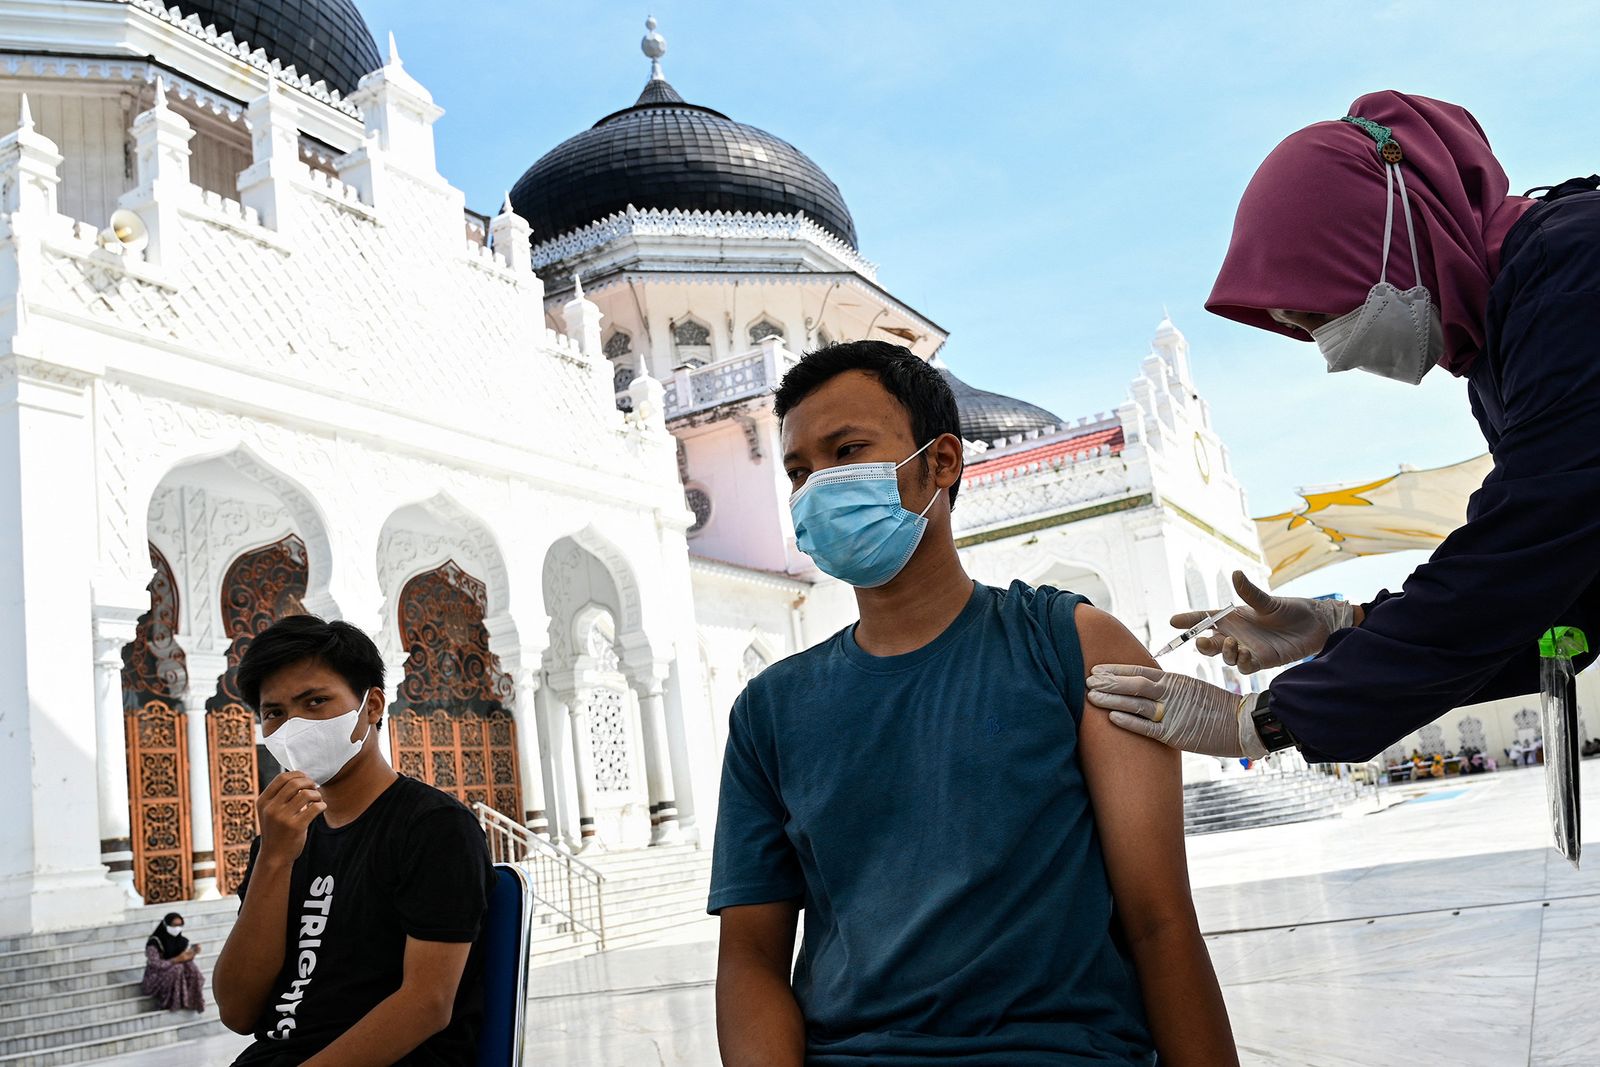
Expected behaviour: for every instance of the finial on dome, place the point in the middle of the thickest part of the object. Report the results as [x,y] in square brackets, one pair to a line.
[394,52]
[26,121]
[577,287]
[654,46]
[161,93]
[505,205]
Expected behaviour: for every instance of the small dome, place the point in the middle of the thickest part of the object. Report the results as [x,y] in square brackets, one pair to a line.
[665,153]
[987,416]
[326,39]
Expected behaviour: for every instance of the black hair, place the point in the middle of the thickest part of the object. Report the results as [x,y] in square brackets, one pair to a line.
[342,648]
[916,385]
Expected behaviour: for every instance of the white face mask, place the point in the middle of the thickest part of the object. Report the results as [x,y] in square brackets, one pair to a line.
[1394,334]
[318,747]
[174,931]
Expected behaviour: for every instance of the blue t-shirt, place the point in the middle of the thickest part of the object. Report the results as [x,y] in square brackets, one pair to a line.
[930,812]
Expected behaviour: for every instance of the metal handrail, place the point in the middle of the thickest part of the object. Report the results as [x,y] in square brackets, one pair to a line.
[561,882]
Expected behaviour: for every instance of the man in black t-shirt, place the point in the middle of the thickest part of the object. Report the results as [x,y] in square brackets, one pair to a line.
[361,910]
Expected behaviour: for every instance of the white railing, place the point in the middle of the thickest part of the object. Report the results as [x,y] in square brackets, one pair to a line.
[561,882]
[739,377]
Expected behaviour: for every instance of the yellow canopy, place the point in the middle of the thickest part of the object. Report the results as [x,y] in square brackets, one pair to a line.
[1412,509]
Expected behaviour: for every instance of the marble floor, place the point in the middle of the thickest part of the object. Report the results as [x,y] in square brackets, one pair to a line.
[1429,926]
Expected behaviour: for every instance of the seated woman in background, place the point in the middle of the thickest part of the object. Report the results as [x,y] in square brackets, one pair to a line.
[170,973]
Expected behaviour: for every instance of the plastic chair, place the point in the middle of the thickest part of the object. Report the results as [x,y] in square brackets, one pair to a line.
[506,928]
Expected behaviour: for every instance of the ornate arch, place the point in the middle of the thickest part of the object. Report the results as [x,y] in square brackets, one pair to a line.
[452,724]
[764,326]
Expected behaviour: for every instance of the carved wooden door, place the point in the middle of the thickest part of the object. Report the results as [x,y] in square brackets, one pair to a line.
[154,676]
[261,587]
[158,785]
[231,733]
[450,726]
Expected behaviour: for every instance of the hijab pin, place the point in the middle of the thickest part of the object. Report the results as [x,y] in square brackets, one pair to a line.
[1388,147]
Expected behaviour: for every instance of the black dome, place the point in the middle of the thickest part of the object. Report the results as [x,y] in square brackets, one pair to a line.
[988,416]
[664,153]
[327,39]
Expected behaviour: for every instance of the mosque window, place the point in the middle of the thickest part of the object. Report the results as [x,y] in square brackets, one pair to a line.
[619,344]
[691,342]
[1195,586]
[699,502]
[764,328]
[752,664]
[623,372]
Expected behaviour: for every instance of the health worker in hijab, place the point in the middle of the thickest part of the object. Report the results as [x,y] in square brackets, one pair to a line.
[1387,239]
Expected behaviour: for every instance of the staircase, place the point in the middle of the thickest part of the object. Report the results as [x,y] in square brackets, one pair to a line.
[651,894]
[1243,801]
[73,996]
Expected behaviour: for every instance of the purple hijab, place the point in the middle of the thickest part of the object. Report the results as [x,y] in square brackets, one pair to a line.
[1309,231]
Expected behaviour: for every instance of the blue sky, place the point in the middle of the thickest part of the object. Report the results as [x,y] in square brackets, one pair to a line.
[1041,178]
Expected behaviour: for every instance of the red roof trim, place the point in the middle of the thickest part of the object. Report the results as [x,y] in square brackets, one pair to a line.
[1052,454]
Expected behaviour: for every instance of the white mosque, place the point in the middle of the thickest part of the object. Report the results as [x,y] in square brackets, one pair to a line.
[258,356]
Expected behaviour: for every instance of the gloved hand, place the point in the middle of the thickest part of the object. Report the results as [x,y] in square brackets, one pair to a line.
[1175,709]
[1269,631]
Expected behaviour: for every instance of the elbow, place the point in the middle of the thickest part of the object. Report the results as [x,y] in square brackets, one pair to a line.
[432,1011]
[238,1021]
[1160,928]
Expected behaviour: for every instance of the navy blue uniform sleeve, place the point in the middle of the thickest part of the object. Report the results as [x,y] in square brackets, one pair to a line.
[752,861]
[1466,625]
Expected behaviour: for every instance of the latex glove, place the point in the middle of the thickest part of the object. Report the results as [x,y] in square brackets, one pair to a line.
[1175,709]
[1268,631]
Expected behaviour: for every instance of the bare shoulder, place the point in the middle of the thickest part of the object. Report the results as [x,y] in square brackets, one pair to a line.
[1104,639]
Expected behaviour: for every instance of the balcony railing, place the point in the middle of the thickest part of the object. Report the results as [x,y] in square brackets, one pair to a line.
[739,377]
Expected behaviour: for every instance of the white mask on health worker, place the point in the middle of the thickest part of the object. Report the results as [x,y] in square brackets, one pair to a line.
[1394,334]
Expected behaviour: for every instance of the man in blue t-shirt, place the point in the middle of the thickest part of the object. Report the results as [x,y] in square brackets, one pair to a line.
[990,874]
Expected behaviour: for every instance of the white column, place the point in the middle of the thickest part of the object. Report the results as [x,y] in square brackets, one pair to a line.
[582,767]
[205,667]
[664,828]
[111,753]
[51,874]
[555,754]
[161,166]
[534,812]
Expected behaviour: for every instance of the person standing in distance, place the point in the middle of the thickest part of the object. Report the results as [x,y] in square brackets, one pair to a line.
[1503,291]
[360,914]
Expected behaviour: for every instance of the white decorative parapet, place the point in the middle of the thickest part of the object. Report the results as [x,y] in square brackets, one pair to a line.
[1043,488]
[721,225]
[739,377]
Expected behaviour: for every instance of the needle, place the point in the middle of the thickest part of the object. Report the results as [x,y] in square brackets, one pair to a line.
[1196,630]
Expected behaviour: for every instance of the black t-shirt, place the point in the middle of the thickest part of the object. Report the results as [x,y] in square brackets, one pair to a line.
[414,864]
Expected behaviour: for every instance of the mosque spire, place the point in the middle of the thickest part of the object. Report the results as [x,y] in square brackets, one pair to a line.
[655,46]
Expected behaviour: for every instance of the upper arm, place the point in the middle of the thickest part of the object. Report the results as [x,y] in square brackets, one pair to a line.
[761,934]
[432,973]
[752,859]
[1136,787]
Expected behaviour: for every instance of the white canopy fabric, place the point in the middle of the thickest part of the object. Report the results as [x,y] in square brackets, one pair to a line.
[1412,509]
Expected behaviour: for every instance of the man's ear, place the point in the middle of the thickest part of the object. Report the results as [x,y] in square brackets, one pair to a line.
[949,459]
[375,704]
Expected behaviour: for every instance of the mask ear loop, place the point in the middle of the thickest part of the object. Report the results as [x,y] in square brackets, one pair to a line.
[1405,201]
[924,512]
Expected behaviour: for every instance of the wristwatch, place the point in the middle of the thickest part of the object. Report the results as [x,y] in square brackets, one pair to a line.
[1271,729]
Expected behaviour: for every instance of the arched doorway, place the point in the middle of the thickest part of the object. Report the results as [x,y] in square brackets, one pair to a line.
[153,677]
[261,586]
[451,726]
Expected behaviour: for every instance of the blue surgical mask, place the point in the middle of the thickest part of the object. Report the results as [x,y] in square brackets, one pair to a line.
[851,523]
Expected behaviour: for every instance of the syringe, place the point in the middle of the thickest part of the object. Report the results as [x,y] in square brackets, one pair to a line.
[1196,630]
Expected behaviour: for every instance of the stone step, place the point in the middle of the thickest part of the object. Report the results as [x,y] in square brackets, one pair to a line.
[52,1012]
[95,958]
[87,1031]
[136,923]
[1264,803]
[104,1051]
[37,962]
[82,1000]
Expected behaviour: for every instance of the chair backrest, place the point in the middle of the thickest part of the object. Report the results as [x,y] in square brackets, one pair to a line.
[506,929]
